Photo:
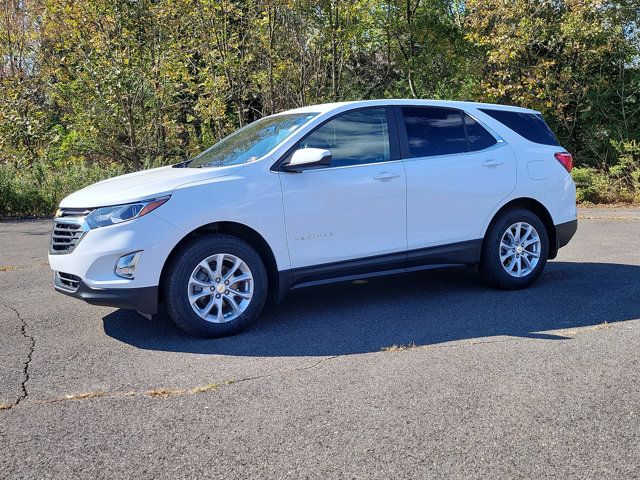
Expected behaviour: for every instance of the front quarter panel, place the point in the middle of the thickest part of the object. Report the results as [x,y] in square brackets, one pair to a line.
[251,197]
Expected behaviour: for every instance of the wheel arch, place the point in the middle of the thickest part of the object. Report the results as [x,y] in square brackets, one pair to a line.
[536,207]
[276,287]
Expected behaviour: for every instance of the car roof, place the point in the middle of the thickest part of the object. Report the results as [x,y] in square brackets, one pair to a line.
[328,107]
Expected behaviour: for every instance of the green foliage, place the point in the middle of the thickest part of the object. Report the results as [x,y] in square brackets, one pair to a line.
[593,186]
[37,191]
[620,183]
[91,88]
[576,61]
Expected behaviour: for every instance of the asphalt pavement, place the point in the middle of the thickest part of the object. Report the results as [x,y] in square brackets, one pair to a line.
[425,375]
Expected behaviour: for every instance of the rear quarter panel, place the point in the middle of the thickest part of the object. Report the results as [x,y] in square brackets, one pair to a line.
[539,175]
[542,178]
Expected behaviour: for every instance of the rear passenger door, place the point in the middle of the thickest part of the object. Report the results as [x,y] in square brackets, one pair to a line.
[457,173]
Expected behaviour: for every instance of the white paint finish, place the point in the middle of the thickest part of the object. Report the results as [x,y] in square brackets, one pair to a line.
[95,256]
[306,156]
[539,169]
[449,197]
[145,184]
[250,197]
[556,192]
[341,213]
[343,106]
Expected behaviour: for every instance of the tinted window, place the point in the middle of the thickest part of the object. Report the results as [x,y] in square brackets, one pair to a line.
[353,138]
[530,125]
[434,131]
[477,135]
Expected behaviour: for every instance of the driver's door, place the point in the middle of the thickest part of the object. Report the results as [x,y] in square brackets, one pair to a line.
[348,218]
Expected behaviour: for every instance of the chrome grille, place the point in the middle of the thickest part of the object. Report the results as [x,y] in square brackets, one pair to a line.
[73,212]
[68,229]
[67,281]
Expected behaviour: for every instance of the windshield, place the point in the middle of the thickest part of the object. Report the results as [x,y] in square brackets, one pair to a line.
[250,142]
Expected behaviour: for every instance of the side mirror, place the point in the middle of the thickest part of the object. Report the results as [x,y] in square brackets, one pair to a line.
[307,157]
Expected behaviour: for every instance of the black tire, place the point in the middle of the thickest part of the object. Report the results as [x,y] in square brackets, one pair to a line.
[177,279]
[491,267]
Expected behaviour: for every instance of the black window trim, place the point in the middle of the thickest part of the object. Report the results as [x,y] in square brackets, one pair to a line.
[499,140]
[404,138]
[394,139]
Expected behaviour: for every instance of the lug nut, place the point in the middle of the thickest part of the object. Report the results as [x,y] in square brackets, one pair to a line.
[227,292]
[217,295]
[226,282]
[217,280]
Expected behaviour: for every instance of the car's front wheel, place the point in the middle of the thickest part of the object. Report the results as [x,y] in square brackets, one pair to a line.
[216,286]
[515,249]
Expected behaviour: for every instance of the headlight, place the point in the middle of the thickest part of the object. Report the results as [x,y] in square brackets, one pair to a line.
[101,217]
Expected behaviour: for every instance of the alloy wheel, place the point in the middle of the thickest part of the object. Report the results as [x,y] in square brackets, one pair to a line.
[520,249]
[220,288]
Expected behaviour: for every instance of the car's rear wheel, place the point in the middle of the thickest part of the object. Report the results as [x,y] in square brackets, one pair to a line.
[216,286]
[515,249]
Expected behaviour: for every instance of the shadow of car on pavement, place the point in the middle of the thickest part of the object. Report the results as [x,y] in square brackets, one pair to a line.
[423,308]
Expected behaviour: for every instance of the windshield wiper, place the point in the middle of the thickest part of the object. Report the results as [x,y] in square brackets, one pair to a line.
[182,164]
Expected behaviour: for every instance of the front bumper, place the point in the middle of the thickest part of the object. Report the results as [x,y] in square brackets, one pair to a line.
[88,272]
[143,299]
[95,257]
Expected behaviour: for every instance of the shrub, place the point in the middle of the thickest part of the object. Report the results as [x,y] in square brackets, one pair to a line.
[625,175]
[593,186]
[619,183]
[36,191]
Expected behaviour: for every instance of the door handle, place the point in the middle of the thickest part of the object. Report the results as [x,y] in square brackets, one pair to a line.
[385,176]
[491,163]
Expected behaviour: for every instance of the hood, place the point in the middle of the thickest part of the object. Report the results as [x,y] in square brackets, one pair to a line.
[142,185]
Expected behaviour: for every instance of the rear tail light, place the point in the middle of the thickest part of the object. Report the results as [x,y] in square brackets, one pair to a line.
[565,159]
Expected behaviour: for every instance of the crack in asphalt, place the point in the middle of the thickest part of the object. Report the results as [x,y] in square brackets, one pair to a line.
[154,393]
[25,369]
[171,392]
[290,370]
[211,387]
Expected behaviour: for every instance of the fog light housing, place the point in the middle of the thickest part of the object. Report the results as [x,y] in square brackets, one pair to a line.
[126,266]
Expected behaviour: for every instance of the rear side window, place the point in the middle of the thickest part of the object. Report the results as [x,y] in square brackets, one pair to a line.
[478,137]
[434,131]
[529,125]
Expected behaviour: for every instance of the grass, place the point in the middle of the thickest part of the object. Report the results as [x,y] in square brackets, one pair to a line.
[168,392]
[399,348]
[601,326]
[153,393]
[86,395]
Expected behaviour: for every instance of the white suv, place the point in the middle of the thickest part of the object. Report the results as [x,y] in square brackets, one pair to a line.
[321,194]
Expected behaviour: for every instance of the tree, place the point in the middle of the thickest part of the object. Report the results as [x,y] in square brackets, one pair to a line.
[567,59]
